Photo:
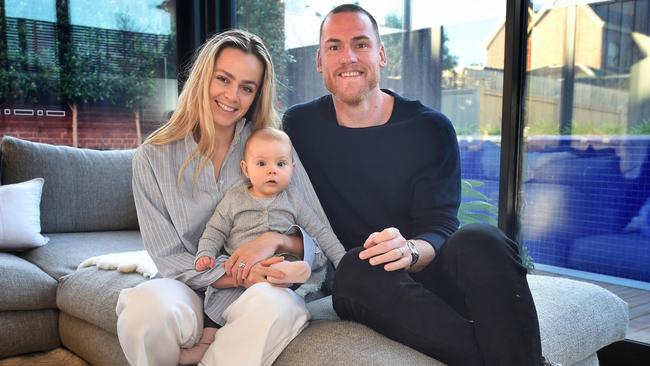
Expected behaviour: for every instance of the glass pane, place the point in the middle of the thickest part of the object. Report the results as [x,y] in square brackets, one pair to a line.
[31,9]
[449,56]
[96,74]
[586,190]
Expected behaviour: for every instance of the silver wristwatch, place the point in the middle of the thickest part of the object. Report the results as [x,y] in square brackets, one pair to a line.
[415,254]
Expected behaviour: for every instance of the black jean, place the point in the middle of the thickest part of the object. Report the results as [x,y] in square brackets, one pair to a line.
[470,306]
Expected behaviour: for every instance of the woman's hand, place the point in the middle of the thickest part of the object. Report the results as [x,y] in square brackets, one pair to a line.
[247,255]
[260,271]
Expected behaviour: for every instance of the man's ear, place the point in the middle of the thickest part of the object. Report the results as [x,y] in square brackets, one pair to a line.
[319,64]
[383,59]
[244,168]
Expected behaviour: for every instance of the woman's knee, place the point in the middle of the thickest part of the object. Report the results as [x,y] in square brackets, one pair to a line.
[160,309]
[281,305]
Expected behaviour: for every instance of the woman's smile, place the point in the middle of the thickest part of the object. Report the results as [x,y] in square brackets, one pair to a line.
[226,107]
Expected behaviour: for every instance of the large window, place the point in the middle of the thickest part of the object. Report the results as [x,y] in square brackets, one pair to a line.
[586,181]
[98,74]
[447,55]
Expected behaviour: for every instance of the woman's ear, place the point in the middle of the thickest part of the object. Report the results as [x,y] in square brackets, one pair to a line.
[244,168]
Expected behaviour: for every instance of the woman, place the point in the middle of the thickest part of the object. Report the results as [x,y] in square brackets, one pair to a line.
[180,173]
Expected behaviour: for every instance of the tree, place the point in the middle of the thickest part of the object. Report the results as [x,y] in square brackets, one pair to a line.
[135,83]
[21,82]
[266,19]
[449,61]
[4,85]
[393,44]
[81,80]
[24,78]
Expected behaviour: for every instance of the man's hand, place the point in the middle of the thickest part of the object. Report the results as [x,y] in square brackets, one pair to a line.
[387,247]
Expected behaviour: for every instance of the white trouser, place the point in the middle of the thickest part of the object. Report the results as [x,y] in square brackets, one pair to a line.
[158,317]
[259,325]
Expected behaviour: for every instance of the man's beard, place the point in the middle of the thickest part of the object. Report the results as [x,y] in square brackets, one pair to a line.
[355,98]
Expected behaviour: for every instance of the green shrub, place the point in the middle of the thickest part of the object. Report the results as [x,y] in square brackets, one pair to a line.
[479,209]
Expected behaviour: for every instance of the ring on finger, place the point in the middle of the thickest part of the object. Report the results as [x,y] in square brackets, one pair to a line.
[242,264]
[401,252]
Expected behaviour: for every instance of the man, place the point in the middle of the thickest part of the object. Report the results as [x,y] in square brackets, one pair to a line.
[386,170]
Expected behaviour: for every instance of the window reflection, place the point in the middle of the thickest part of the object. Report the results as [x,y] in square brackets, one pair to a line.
[98,74]
[31,9]
[586,192]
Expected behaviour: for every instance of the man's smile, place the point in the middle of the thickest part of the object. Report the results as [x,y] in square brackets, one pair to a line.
[350,74]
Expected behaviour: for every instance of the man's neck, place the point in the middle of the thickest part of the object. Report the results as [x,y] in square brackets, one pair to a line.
[374,110]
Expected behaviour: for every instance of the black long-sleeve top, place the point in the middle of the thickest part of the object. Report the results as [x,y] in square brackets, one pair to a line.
[404,173]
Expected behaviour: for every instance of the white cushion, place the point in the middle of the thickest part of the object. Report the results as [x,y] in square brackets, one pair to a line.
[20,215]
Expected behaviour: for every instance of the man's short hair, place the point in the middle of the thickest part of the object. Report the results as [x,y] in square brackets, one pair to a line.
[351,8]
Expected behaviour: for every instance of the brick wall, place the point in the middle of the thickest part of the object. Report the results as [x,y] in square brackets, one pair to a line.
[51,130]
[99,128]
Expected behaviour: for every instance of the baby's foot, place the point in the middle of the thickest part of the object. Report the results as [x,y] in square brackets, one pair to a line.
[294,272]
[194,355]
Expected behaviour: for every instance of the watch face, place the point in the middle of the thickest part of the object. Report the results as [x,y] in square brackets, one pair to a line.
[415,255]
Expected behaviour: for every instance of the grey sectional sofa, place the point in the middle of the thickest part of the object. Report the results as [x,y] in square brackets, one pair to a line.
[87,209]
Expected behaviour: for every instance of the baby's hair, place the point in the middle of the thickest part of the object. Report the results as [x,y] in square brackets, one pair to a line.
[269,134]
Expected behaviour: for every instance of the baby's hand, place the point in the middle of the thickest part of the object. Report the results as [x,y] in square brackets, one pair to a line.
[204,263]
[295,272]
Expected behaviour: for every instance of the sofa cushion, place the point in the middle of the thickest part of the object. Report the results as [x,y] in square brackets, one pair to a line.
[93,344]
[85,190]
[65,251]
[30,330]
[576,318]
[348,343]
[28,287]
[90,294]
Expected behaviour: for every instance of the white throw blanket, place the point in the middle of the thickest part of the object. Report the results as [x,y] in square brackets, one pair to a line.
[141,262]
[138,261]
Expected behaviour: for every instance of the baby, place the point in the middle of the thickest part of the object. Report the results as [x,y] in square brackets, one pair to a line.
[266,203]
[250,210]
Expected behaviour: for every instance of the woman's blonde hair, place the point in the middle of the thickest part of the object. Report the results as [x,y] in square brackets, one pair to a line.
[193,114]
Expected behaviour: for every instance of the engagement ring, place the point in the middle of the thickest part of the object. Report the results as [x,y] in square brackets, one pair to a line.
[242,264]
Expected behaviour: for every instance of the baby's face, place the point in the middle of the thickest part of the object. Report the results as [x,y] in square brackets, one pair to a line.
[269,166]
